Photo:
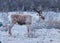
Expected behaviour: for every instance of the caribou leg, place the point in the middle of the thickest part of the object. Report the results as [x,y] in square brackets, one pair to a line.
[29,31]
[9,30]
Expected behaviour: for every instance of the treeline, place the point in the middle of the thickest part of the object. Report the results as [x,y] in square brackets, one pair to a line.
[29,5]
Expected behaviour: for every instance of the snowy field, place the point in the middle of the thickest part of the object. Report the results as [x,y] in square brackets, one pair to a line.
[49,33]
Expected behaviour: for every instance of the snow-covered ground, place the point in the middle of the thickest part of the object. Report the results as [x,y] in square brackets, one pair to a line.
[44,35]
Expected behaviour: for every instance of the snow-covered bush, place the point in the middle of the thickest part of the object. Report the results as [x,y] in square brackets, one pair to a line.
[52,20]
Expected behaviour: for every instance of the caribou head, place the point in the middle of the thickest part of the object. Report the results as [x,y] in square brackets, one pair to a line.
[39,13]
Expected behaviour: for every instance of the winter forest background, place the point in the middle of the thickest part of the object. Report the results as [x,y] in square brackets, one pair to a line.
[24,5]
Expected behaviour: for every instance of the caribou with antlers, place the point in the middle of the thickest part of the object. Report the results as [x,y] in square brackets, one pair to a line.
[22,19]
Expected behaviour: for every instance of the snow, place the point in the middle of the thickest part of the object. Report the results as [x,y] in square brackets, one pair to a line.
[19,36]
[44,35]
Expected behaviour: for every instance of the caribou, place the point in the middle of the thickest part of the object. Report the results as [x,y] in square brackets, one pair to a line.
[22,19]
